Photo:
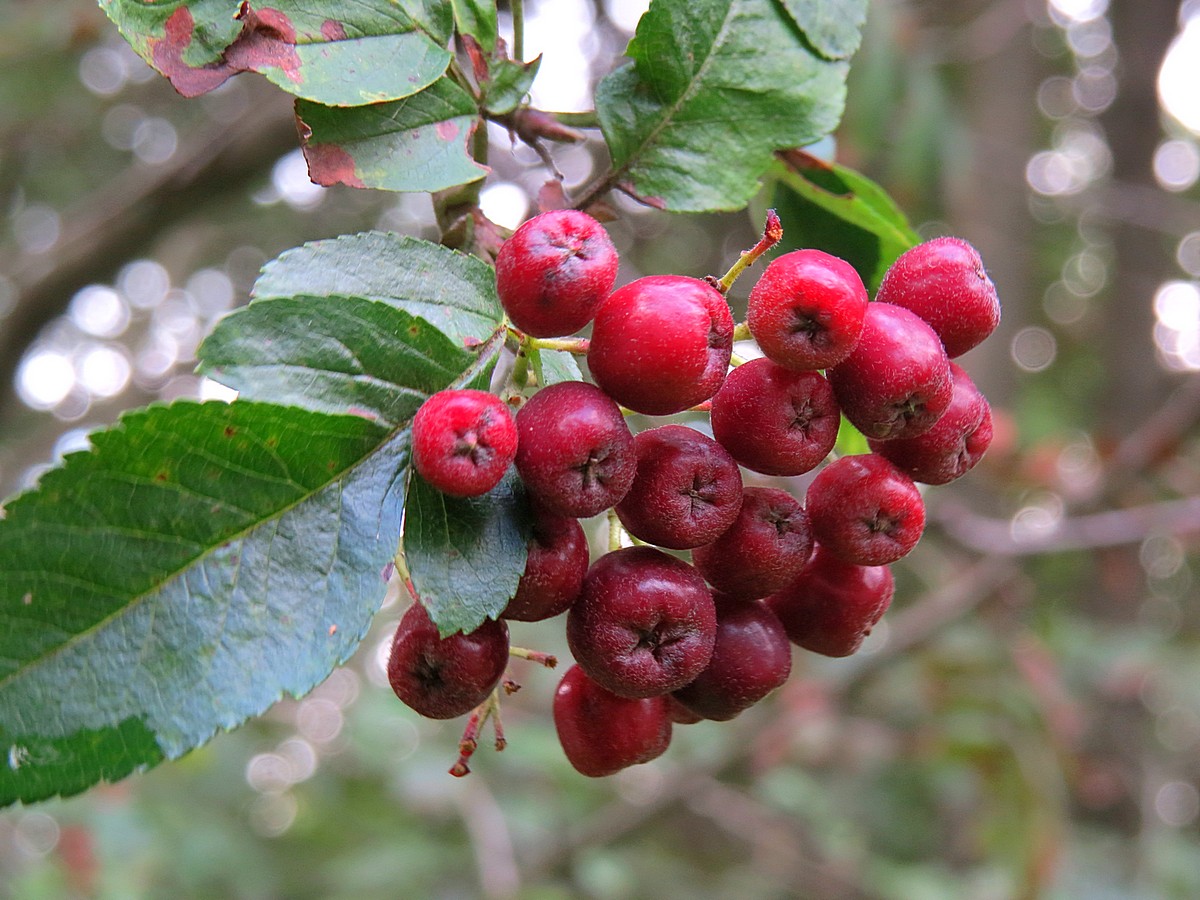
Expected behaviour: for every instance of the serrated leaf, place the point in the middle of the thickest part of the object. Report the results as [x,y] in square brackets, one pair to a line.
[508,83]
[715,87]
[465,555]
[478,19]
[332,53]
[841,211]
[419,143]
[833,27]
[336,355]
[454,292]
[200,562]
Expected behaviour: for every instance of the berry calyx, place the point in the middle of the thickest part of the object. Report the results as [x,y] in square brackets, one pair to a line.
[463,441]
[554,272]
[661,344]
[806,309]
[943,281]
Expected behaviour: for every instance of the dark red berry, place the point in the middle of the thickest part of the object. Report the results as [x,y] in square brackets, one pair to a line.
[554,569]
[661,344]
[644,623]
[463,441]
[765,548]
[865,510]
[774,420]
[943,282]
[554,272]
[440,677]
[575,453]
[687,491]
[806,310]
[601,733]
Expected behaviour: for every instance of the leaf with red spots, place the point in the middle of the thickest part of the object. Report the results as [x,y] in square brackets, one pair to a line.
[419,143]
[337,54]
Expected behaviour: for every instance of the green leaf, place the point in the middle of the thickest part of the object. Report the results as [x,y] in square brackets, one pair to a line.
[200,562]
[558,365]
[833,27]
[507,84]
[478,19]
[454,292]
[716,86]
[841,211]
[332,53]
[333,355]
[465,555]
[850,441]
[419,143]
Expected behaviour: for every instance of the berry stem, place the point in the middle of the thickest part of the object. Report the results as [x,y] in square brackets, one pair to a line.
[578,346]
[517,8]
[741,332]
[614,531]
[545,659]
[735,360]
[772,235]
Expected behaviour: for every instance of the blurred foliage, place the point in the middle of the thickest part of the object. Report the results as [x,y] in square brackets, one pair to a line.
[1019,727]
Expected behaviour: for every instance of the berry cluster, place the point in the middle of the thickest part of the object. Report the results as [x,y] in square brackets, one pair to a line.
[658,640]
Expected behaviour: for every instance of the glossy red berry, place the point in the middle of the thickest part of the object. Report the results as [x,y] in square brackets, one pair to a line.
[661,344]
[954,445]
[602,733]
[896,383]
[463,441]
[833,604]
[943,281]
[576,453]
[554,272]
[644,623]
[765,548]
[554,569]
[806,310]
[774,420]
[440,677]
[687,490]
[865,510]
[751,658]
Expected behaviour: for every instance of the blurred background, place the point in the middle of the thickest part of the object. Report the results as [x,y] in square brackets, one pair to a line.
[1026,720]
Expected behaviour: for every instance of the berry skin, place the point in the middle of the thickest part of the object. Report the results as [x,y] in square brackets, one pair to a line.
[751,657]
[554,570]
[943,282]
[687,491]
[442,678]
[806,310]
[644,623]
[661,344]
[575,453]
[554,272]
[896,383]
[601,733]
[765,548]
[865,510]
[463,441]
[953,446]
[833,605]
[776,421]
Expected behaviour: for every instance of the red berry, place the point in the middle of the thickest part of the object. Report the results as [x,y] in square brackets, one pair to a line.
[943,282]
[602,733]
[774,420]
[751,657]
[765,548]
[463,441]
[896,383]
[554,272]
[865,510]
[687,490]
[644,623]
[806,310]
[661,344]
[833,604]
[575,453]
[954,445]
[440,677]
[554,569]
